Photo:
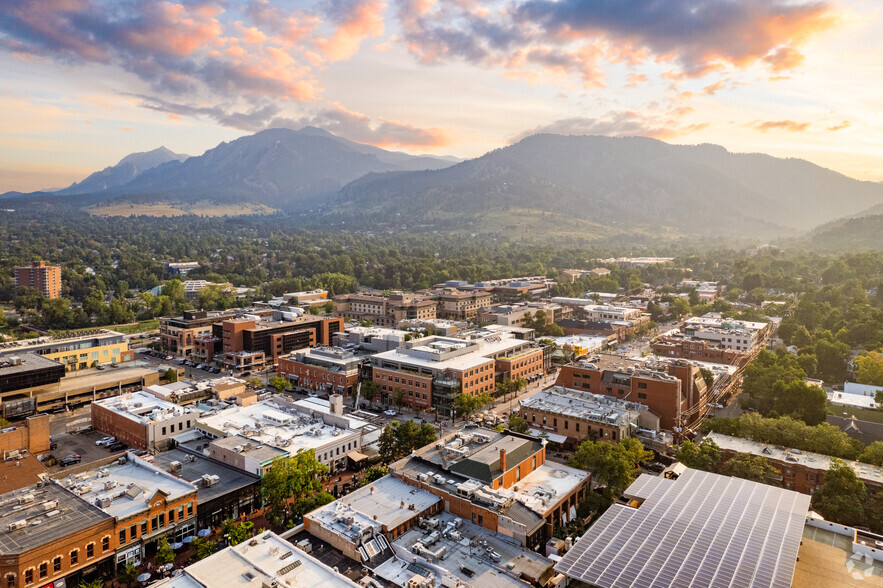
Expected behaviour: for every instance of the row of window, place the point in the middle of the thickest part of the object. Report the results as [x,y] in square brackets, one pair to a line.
[43,568]
[172,427]
[336,453]
[156,522]
[533,419]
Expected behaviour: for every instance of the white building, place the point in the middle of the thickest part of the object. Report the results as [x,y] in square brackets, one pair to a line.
[862,395]
[728,333]
[141,419]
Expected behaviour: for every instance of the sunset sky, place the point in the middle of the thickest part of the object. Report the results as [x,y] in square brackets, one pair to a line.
[85,82]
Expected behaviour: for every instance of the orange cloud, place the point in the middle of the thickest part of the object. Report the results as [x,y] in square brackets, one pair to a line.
[845,124]
[634,79]
[780,125]
[251,35]
[174,116]
[358,23]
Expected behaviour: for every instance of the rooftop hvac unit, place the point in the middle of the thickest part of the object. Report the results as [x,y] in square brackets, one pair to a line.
[175,466]
[110,484]
[103,502]
[50,504]
[423,477]
[53,513]
[25,498]
[18,525]
[103,473]
[210,480]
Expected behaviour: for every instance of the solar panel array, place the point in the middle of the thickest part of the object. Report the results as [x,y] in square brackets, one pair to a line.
[701,530]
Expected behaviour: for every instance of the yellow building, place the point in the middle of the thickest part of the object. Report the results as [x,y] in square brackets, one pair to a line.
[76,351]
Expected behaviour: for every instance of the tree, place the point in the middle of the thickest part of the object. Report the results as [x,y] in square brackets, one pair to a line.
[203,547]
[171,375]
[842,497]
[291,483]
[398,397]
[329,307]
[280,384]
[466,404]
[97,583]
[873,454]
[127,573]
[174,289]
[751,467]
[236,532]
[708,376]
[255,382]
[398,439]
[518,424]
[372,474]
[705,456]
[614,466]
[869,368]
[164,552]
[370,390]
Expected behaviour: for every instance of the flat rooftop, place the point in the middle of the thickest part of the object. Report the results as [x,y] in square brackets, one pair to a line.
[124,488]
[240,444]
[386,502]
[701,529]
[49,512]
[826,560]
[102,380]
[864,471]
[145,408]
[18,473]
[484,464]
[262,561]
[29,362]
[267,423]
[323,406]
[584,405]
[473,550]
[194,467]
[640,366]
[64,338]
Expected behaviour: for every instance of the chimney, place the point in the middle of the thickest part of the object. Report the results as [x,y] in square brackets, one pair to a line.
[335,403]
[503,459]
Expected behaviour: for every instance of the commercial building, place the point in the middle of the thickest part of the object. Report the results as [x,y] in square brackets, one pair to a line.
[142,420]
[677,345]
[178,333]
[727,333]
[75,351]
[280,427]
[385,311]
[516,290]
[222,492]
[266,560]
[457,304]
[575,415]
[673,390]
[317,297]
[801,471]
[182,268]
[635,262]
[700,529]
[707,291]
[28,370]
[145,502]
[853,394]
[432,371]
[192,288]
[363,523]
[332,370]
[514,314]
[374,339]
[28,436]
[44,278]
[500,481]
[51,537]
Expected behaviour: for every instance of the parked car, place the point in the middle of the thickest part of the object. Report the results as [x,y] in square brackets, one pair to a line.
[53,445]
[390,412]
[114,365]
[100,367]
[216,370]
[116,446]
[70,460]
[105,441]
[182,361]
[169,358]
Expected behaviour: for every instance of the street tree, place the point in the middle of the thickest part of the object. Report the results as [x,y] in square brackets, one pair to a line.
[842,496]
[751,467]
[704,456]
[280,384]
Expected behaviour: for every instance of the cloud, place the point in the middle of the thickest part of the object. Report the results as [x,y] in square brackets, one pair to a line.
[779,125]
[334,118]
[695,36]
[619,124]
[844,125]
[356,21]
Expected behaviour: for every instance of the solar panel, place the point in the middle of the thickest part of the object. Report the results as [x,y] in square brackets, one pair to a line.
[699,530]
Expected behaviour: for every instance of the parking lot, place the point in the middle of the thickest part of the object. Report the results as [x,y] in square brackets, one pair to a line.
[82,444]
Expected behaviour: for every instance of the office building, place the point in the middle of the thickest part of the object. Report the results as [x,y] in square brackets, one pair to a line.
[457,304]
[332,370]
[75,351]
[142,419]
[385,311]
[696,349]
[28,370]
[700,529]
[514,314]
[727,333]
[374,339]
[44,278]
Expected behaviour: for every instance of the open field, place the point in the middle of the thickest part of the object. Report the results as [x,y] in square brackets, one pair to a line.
[203,208]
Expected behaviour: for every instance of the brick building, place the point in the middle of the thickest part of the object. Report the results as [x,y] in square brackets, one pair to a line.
[386,311]
[697,350]
[460,305]
[667,388]
[327,369]
[142,420]
[42,277]
[31,436]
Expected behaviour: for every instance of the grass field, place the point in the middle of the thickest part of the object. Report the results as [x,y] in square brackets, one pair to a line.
[203,208]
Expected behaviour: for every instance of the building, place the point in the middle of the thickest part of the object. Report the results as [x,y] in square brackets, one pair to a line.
[727,333]
[677,345]
[145,502]
[386,311]
[581,344]
[28,370]
[193,287]
[861,395]
[707,291]
[332,370]
[575,415]
[44,278]
[801,471]
[266,560]
[432,371]
[516,290]
[182,268]
[457,304]
[675,390]
[700,529]
[514,314]
[75,351]
[317,297]
[363,523]
[500,481]
[375,339]
[178,334]
[51,537]
[278,427]
[222,492]
[28,436]
[635,262]
[142,420]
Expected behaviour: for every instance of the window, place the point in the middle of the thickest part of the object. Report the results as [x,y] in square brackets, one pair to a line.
[105,543]
[642,395]
[533,462]
[555,422]
[133,532]
[143,528]
[518,474]
[171,516]
[162,520]
[10,580]
[189,509]
[163,430]
[642,385]
[75,556]
[56,564]
[122,536]
[90,550]
[565,425]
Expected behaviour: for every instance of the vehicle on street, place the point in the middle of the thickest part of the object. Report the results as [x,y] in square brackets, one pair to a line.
[114,365]
[70,460]
[390,412]
[100,367]
[105,441]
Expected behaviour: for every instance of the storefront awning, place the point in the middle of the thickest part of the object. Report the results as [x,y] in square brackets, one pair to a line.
[356,456]
[553,437]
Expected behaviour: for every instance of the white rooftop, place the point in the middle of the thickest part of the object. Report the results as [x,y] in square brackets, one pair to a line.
[544,487]
[265,560]
[144,407]
[586,342]
[817,461]
[324,406]
[123,490]
[584,405]
[713,320]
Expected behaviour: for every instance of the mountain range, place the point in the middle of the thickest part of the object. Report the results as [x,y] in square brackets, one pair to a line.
[548,182]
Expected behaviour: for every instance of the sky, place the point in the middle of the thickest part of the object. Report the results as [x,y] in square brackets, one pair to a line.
[83,83]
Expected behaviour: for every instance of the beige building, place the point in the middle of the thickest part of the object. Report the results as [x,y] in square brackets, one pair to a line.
[459,304]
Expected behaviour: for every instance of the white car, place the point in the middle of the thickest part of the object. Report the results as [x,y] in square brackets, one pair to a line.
[390,412]
[105,441]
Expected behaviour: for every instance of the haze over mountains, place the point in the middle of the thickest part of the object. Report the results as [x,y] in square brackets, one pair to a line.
[620,184]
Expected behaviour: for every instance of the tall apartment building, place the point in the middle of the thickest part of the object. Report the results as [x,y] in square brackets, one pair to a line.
[385,311]
[38,275]
[671,390]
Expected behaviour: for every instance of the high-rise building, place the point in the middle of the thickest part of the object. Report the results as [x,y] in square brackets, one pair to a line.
[45,278]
